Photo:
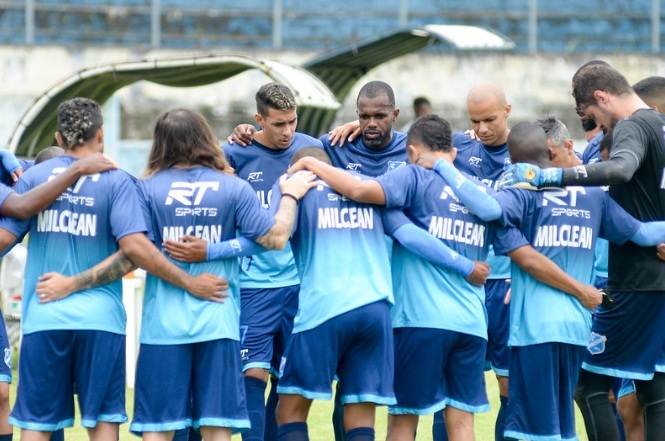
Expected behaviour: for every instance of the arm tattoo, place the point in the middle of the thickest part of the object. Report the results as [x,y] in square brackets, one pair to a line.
[284,220]
[107,271]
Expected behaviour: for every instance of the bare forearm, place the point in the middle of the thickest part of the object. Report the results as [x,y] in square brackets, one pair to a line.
[146,255]
[279,234]
[23,206]
[109,270]
[369,191]
[544,270]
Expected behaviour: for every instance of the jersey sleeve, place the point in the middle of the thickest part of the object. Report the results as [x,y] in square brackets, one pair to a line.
[144,201]
[5,191]
[399,186]
[124,207]
[513,206]
[393,219]
[252,220]
[17,227]
[507,239]
[617,225]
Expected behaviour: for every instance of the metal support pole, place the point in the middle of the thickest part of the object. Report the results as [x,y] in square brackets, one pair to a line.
[533,26]
[30,22]
[156,24]
[277,17]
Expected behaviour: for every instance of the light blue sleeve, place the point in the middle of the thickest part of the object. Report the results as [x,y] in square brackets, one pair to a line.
[472,196]
[649,234]
[423,244]
[238,247]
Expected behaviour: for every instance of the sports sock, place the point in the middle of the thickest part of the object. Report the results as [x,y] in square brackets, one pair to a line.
[439,432]
[592,397]
[338,416]
[360,434]
[270,432]
[293,432]
[56,435]
[651,395]
[255,391]
[9,436]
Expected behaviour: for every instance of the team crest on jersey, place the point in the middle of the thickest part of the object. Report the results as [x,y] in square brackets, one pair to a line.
[8,357]
[596,344]
[353,166]
[392,165]
[255,177]
[475,161]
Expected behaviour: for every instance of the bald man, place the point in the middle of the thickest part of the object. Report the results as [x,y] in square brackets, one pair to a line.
[483,156]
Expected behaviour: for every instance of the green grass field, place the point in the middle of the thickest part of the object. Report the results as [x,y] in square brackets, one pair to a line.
[320,428]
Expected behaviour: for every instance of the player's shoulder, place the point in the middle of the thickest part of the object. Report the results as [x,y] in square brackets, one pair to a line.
[302,140]
[462,140]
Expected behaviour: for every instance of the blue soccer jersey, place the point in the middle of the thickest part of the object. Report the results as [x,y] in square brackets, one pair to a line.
[485,163]
[5,191]
[77,231]
[426,295]
[562,224]
[357,157]
[210,205]
[261,167]
[342,256]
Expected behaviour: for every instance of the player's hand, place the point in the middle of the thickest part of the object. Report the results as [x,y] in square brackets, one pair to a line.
[660,251]
[191,249]
[10,164]
[590,298]
[95,163]
[242,135]
[209,287]
[347,132]
[530,177]
[427,159]
[471,134]
[301,164]
[54,286]
[297,184]
[478,276]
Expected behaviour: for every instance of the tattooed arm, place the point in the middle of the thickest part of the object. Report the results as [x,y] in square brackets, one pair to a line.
[135,249]
[54,286]
[277,237]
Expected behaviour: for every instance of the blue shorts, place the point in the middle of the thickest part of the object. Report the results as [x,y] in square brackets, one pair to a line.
[55,363]
[197,384]
[626,387]
[357,346]
[6,365]
[498,326]
[435,368]
[628,341]
[266,322]
[541,390]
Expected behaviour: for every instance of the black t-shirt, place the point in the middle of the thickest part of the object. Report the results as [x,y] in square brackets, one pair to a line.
[642,135]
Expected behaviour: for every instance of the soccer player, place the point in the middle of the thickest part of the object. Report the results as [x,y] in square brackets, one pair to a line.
[268,282]
[379,149]
[484,157]
[79,340]
[636,277]
[434,308]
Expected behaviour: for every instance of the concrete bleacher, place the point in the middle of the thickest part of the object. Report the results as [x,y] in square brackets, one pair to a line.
[564,26]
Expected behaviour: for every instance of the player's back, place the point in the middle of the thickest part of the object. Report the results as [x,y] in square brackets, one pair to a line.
[77,231]
[210,205]
[342,256]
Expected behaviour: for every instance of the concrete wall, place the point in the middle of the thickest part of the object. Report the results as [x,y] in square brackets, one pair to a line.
[534,85]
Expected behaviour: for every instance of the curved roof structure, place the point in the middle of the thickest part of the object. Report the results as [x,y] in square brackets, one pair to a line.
[36,127]
[319,85]
[342,68]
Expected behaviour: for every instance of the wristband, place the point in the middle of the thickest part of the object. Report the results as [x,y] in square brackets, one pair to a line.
[289,195]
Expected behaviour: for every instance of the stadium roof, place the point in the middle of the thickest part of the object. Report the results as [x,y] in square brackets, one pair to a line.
[35,130]
[342,68]
[319,85]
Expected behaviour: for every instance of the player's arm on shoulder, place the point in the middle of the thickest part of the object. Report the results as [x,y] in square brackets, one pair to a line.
[193,249]
[243,134]
[346,132]
[366,191]
[544,270]
[23,206]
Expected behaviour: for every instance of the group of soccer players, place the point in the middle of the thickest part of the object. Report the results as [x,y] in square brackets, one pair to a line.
[389,272]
